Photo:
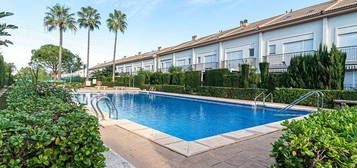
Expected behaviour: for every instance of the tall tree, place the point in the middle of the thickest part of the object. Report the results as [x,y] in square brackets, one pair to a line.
[116,22]
[88,18]
[59,17]
[47,57]
[4,27]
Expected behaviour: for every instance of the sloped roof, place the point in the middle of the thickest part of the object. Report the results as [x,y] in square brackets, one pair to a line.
[289,18]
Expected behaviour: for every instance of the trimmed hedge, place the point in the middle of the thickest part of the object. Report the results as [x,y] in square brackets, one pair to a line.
[215,77]
[323,139]
[167,88]
[281,95]
[43,127]
[193,79]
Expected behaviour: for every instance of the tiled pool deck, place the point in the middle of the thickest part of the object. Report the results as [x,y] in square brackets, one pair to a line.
[146,147]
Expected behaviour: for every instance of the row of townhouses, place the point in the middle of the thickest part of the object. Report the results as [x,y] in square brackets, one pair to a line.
[275,40]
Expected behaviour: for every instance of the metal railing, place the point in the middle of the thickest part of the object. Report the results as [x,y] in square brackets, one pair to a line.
[319,102]
[351,53]
[98,110]
[235,63]
[350,86]
[186,67]
[284,59]
[205,66]
[262,94]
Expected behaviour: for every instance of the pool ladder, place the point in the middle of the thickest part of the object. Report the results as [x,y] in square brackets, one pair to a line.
[262,94]
[97,109]
[319,102]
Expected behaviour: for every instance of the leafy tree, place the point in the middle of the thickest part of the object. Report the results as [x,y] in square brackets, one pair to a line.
[59,17]
[46,57]
[116,22]
[4,27]
[88,18]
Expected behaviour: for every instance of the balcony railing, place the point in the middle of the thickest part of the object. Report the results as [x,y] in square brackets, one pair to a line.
[351,54]
[350,86]
[283,60]
[235,63]
[164,70]
[186,67]
[205,66]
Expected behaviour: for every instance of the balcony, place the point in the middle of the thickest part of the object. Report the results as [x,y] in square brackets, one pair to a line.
[205,66]
[185,67]
[234,64]
[351,54]
[280,62]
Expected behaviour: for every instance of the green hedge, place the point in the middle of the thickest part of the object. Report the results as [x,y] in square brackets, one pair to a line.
[193,79]
[167,88]
[281,95]
[139,80]
[43,127]
[323,139]
[215,77]
[232,80]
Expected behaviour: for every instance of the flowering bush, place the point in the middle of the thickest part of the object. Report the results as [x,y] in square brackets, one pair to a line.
[43,127]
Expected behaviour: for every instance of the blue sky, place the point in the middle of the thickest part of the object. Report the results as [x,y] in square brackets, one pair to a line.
[151,23]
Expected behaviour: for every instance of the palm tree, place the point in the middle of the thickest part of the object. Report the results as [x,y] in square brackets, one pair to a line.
[88,18]
[59,17]
[115,22]
[4,27]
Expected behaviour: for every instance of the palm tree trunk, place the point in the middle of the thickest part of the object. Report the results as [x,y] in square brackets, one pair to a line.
[60,55]
[87,75]
[115,49]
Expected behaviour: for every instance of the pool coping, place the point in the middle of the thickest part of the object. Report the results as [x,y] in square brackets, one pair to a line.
[191,148]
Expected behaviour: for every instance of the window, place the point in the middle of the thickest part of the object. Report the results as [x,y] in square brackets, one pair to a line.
[251,52]
[210,58]
[189,61]
[298,46]
[180,62]
[198,60]
[272,49]
[234,55]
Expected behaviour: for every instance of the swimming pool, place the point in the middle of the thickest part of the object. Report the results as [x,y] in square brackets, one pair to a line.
[191,118]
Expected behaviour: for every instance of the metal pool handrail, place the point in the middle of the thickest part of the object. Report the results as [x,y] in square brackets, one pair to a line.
[269,95]
[320,100]
[111,102]
[259,95]
[94,108]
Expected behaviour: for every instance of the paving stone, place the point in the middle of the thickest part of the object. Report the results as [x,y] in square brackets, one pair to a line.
[262,129]
[151,134]
[215,141]
[187,148]
[239,134]
[275,125]
[223,165]
[133,126]
[168,140]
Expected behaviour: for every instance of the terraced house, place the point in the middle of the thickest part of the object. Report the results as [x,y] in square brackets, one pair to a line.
[275,40]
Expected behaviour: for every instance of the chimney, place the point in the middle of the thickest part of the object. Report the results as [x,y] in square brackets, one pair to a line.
[244,23]
[124,56]
[194,38]
[139,53]
[159,48]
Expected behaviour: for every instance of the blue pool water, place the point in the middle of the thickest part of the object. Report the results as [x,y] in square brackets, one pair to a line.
[189,118]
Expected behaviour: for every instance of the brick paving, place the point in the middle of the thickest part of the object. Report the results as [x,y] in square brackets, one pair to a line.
[143,153]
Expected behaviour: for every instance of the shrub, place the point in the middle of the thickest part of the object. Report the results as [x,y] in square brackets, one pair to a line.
[165,78]
[139,80]
[178,78]
[323,139]
[245,75]
[264,74]
[156,78]
[42,127]
[232,80]
[193,79]
[228,92]
[215,77]
[167,88]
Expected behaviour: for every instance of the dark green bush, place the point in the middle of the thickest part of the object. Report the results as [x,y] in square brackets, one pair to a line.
[232,80]
[165,78]
[287,95]
[245,75]
[43,127]
[324,139]
[215,77]
[193,79]
[156,78]
[178,78]
[264,74]
[228,92]
[139,80]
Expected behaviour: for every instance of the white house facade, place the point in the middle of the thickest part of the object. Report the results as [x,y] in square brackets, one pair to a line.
[275,40]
